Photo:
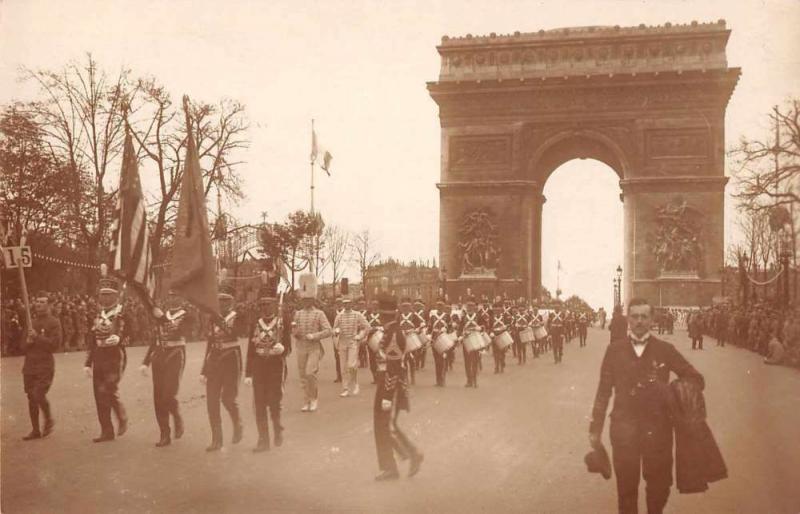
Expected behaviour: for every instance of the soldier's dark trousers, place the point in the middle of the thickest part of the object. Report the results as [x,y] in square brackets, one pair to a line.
[582,334]
[36,387]
[471,367]
[451,358]
[499,359]
[390,439]
[521,350]
[697,342]
[440,363]
[338,365]
[558,348]
[222,385]
[362,356]
[168,367]
[411,365]
[373,364]
[267,395]
[649,456]
[106,397]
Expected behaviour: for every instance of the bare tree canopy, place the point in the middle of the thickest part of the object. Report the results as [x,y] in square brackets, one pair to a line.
[362,252]
[337,246]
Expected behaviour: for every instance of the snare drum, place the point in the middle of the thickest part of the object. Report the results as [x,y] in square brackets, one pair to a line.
[487,340]
[473,342]
[503,340]
[374,341]
[413,342]
[539,333]
[526,335]
[425,338]
[444,342]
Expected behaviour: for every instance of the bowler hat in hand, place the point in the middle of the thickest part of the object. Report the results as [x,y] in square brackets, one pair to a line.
[597,461]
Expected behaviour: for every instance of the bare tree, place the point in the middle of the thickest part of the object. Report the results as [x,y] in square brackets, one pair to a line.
[81,116]
[363,254]
[337,244]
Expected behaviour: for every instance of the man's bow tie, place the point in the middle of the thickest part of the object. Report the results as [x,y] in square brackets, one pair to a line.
[638,342]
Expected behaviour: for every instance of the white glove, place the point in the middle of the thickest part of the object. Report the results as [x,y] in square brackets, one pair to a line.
[88,371]
[248,381]
[277,349]
[158,313]
[203,379]
[113,339]
[386,405]
[309,337]
[143,369]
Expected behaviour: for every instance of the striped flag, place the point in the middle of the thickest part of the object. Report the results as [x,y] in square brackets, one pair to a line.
[130,242]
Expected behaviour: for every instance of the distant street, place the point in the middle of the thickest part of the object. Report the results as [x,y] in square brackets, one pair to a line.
[515,444]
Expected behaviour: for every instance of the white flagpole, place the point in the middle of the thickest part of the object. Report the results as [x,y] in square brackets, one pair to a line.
[312,165]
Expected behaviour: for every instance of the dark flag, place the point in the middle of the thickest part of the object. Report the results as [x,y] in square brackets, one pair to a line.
[193,270]
[130,242]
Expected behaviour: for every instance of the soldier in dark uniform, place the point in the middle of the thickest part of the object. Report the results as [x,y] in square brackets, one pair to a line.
[637,370]
[520,321]
[470,322]
[555,327]
[338,308]
[373,317]
[409,321]
[269,344]
[485,315]
[498,324]
[438,323]
[363,356]
[39,366]
[583,325]
[222,370]
[422,314]
[167,354]
[106,359]
[391,397]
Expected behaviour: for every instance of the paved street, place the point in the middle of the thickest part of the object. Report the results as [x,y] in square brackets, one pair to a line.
[515,444]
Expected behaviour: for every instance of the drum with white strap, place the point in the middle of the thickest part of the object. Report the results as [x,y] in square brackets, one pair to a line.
[473,342]
[503,340]
[487,340]
[540,333]
[374,341]
[444,342]
[413,342]
[526,335]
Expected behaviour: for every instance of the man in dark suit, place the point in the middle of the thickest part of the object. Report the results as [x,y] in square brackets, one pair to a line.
[637,369]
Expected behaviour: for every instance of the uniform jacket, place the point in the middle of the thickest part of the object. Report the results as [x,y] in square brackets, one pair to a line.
[273,335]
[223,332]
[174,325]
[698,460]
[46,339]
[392,382]
[108,358]
[639,385]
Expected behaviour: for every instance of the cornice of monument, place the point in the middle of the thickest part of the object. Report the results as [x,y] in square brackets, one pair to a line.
[584,51]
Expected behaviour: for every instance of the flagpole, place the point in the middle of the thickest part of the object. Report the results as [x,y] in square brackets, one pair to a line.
[312,167]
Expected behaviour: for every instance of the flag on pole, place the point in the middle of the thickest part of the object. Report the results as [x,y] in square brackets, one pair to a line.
[130,241]
[193,270]
[319,152]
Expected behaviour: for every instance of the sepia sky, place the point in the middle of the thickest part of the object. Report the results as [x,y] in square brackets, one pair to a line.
[359,69]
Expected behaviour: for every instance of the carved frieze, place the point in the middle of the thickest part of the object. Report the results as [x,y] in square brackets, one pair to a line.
[671,144]
[468,151]
[478,247]
[677,242]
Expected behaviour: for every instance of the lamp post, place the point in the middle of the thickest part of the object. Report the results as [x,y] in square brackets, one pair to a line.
[618,287]
[443,285]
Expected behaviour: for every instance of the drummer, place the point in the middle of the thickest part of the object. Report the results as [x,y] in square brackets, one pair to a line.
[422,323]
[374,319]
[408,321]
[470,323]
[520,323]
[485,315]
[499,325]
[539,332]
[439,323]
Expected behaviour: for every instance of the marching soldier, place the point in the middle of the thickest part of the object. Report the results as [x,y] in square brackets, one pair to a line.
[422,315]
[537,322]
[106,359]
[583,324]
[374,319]
[337,309]
[470,322]
[391,397]
[363,356]
[39,367]
[409,321]
[439,323]
[268,345]
[555,327]
[351,329]
[455,321]
[222,370]
[520,323]
[167,354]
[498,324]
[309,327]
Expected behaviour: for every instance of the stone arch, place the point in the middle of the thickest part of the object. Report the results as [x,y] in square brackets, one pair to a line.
[566,145]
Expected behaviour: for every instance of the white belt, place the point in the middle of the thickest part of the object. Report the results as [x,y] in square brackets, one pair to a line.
[225,346]
[174,344]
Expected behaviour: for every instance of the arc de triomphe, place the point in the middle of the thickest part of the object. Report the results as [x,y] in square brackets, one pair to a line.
[647,101]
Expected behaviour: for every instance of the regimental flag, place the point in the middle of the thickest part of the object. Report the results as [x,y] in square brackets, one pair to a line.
[130,241]
[319,152]
[193,270]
